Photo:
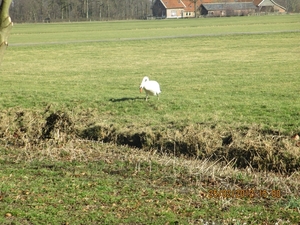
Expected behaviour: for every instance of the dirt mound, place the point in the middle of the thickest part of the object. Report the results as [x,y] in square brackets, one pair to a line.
[56,124]
[29,129]
[247,146]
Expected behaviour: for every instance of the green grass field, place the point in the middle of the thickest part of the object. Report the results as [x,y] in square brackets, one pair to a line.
[220,77]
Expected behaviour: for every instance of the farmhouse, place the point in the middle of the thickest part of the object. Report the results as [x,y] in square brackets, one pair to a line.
[174,8]
[188,8]
[268,6]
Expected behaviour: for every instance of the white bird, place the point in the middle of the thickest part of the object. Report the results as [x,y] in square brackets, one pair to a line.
[151,87]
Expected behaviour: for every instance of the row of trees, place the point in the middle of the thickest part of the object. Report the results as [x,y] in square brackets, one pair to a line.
[292,6]
[76,10]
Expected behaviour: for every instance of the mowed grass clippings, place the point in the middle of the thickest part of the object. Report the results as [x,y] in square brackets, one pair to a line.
[222,89]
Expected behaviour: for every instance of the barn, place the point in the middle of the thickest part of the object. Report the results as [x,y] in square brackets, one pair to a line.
[227,9]
[267,6]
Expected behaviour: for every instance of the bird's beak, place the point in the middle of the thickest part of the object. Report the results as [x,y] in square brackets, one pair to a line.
[141,89]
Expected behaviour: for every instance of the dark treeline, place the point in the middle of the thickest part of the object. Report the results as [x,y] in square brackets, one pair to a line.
[78,10]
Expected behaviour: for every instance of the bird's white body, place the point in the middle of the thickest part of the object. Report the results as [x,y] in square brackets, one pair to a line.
[151,87]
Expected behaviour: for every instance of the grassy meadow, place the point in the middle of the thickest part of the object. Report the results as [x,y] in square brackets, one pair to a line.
[73,124]
[214,70]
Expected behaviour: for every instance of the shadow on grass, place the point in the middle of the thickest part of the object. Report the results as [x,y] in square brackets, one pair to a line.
[126,99]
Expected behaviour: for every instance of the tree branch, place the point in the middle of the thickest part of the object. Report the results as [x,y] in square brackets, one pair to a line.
[5,26]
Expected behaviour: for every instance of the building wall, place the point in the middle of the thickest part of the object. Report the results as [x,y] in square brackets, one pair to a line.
[227,12]
[174,13]
[158,10]
[278,9]
[269,9]
[269,6]
[188,14]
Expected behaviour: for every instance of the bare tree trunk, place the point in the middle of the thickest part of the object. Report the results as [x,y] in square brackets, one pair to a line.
[87,9]
[5,26]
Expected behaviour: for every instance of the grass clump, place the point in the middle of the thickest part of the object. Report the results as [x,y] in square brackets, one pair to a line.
[246,147]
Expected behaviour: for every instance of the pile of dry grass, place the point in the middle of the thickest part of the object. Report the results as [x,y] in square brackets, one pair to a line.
[245,146]
[248,146]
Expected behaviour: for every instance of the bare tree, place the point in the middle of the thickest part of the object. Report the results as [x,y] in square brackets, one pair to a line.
[293,5]
[5,26]
[78,10]
[195,6]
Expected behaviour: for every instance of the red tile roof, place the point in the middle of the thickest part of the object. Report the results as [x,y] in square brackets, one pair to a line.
[189,5]
[256,2]
[172,4]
